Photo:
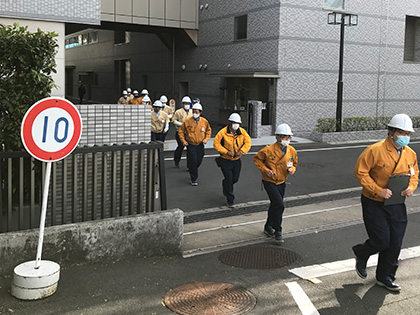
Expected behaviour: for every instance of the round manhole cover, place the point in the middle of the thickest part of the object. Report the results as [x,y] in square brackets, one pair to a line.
[259,257]
[210,298]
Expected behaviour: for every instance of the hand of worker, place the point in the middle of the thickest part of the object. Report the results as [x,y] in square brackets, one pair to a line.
[239,154]
[185,143]
[230,153]
[205,141]
[386,193]
[270,173]
[407,192]
[291,171]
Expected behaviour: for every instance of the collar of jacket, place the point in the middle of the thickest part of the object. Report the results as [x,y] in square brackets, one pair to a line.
[237,133]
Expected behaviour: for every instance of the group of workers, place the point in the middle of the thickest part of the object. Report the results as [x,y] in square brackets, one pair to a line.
[385,223]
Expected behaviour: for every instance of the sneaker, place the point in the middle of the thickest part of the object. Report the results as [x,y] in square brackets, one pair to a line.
[194,183]
[269,231]
[279,238]
[176,165]
[230,204]
[360,265]
[388,284]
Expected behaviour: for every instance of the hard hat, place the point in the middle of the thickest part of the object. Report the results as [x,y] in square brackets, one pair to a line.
[146,99]
[163,99]
[186,99]
[283,129]
[197,106]
[144,91]
[125,92]
[196,100]
[235,118]
[128,90]
[136,92]
[156,103]
[401,121]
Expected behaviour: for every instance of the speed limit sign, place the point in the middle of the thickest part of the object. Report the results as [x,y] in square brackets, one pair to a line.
[51,129]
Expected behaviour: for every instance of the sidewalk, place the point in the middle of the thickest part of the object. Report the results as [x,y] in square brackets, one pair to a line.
[319,233]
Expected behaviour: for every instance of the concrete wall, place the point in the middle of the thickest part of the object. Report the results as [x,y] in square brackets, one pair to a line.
[145,235]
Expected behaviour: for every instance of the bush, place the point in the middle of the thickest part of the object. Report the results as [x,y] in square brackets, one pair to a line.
[359,123]
[27,61]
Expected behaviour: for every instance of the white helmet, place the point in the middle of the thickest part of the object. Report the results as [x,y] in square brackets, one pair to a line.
[136,92]
[128,90]
[283,129]
[186,99]
[197,106]
[144,91]
[401,121]
[125,92]
[235,118]
[156,103]
[146,99]
[163,99]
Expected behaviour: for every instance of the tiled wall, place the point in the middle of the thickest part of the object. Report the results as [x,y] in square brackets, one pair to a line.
[108,124]
[74,11]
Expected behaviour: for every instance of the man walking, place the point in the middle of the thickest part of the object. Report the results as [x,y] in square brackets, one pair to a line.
[385,224]
[276,162]
[178,118]
[231,142]
[194,134]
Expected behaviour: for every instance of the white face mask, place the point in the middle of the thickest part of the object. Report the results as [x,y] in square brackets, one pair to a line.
[235,126]
[196,116]
[285,143]
[186,107]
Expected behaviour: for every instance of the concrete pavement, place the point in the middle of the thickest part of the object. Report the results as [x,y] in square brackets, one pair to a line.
[319,233]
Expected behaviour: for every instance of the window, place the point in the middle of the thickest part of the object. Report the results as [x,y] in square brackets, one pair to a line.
[84,38]
[412,39]
[122,37]
[241,27]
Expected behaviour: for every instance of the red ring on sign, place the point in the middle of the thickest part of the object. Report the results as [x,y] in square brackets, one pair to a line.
[28,122]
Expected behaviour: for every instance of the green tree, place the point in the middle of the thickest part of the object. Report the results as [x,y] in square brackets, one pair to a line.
[27,61]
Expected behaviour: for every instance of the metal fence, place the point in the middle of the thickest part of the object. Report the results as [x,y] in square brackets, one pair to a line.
[92,183]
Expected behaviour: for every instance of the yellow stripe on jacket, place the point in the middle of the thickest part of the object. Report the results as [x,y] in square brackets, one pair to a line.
[194,133]
[378,162]
[225,141]
[271,158]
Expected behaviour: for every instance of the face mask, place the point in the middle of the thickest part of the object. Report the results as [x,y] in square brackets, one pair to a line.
[196,116]
[235,126]
[186,107]
[285,143]
[156,109]
[125,96]
[402,141]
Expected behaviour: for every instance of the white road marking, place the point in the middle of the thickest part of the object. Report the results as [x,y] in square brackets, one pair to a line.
[259,221]
[302,300]
[331,268]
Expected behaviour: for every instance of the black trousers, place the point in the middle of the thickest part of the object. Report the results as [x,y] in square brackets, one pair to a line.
[231,170]
[178,150]
[275,211]
[385,226]
[156,136]
[195,154]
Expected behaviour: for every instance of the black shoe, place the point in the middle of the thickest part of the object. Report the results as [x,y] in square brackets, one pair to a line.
[269,231]
[360,265]
[176,165]
[278,237]
[388,284]
[230,204]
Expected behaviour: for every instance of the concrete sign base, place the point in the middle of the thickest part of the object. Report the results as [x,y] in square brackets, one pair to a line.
[34,284]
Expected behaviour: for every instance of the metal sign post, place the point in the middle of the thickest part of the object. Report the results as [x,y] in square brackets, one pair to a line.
[51,130]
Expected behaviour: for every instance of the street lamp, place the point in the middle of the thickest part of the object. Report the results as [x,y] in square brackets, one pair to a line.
[343,19]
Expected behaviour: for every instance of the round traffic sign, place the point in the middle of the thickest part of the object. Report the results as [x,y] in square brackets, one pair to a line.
[51,129]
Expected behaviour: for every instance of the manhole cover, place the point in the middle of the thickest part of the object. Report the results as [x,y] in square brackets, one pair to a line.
[210,298]
[259,257]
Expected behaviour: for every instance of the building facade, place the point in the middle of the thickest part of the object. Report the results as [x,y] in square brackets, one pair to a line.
[282,53]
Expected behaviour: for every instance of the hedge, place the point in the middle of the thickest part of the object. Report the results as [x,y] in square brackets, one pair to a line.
[358,123]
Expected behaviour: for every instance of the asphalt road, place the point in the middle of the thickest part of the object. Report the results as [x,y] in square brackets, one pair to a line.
[321,168]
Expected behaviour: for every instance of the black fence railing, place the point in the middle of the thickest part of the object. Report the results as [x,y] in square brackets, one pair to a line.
[92,183]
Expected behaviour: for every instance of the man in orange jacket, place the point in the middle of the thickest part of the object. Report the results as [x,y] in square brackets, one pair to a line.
[385,224]
[231,142]
[276,162]
[194,134]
